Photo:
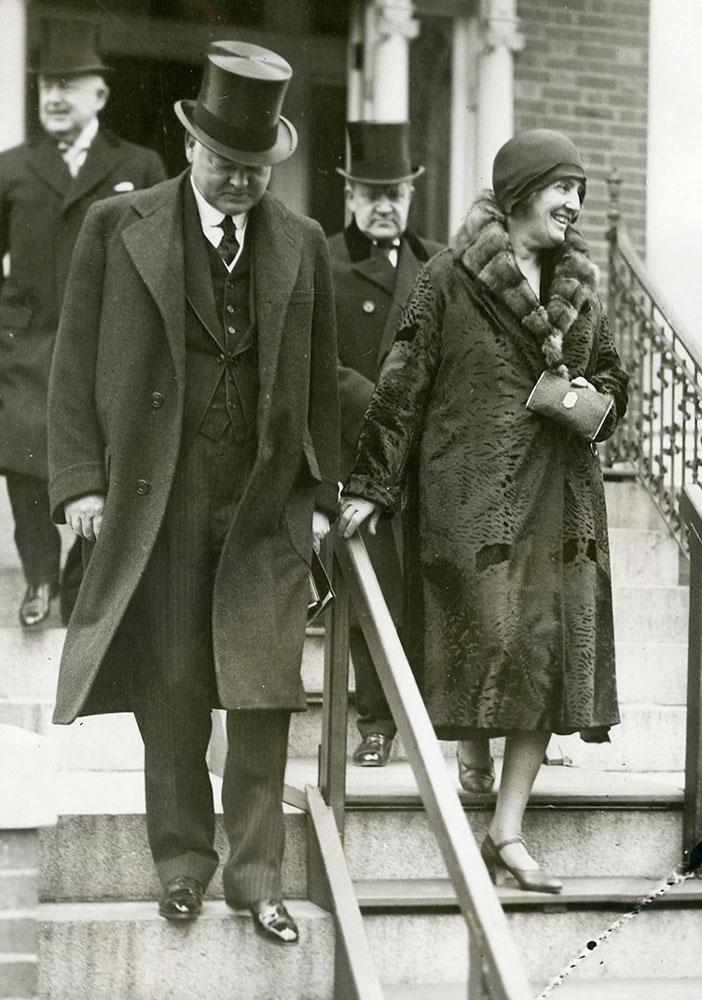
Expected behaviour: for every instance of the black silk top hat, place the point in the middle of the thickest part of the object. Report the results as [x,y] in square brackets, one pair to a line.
[70,48]
[237,112]
[379,153]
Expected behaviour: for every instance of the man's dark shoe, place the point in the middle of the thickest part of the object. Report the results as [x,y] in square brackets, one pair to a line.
[273,922]
[181,899]
[373,750]
[36,604]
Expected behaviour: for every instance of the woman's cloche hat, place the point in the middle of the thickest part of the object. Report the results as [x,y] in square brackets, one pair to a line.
[379,153]
[237,112]
[532,160]
[69,48]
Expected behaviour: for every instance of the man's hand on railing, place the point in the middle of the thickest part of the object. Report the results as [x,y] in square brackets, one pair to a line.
[354,511]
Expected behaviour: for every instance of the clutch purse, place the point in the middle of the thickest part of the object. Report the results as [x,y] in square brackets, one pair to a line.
[576,408]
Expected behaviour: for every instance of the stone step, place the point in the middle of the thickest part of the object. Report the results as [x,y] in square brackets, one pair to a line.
[18,976]
[632,827]
[583,905]
[649,738]
[606,989]
[629,506]
[98,849]
[657,943]
[153,959]
[643,556]
[651,613]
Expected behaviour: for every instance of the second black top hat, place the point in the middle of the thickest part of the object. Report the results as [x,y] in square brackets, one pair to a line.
[380,153]
[70,48]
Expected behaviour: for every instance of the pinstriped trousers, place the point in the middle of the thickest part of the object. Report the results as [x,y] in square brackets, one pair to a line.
[173,689]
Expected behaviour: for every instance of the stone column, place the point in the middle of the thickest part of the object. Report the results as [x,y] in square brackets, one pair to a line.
[500,37]
[388,28]
[13,57]
[463,179]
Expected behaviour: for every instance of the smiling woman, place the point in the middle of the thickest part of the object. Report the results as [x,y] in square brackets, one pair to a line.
[508,582]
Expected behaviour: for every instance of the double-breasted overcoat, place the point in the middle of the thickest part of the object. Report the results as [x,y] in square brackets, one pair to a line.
[115,421]
[41,211]
[369,297]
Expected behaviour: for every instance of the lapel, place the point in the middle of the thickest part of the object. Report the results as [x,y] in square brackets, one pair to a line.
[45,161]
[377,271]
[405,273]
[198,276]
[155,244]
[101,159]
[275,259]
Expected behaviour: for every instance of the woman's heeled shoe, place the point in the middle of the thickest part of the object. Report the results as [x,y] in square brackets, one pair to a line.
[530,879]
[472,778]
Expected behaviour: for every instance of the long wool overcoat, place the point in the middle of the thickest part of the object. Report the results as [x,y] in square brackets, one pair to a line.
[41,211]
[510,621]
[116,412]
[369,297]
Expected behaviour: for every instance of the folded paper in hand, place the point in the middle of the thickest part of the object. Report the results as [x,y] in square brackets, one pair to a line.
[321,592]
[577,408]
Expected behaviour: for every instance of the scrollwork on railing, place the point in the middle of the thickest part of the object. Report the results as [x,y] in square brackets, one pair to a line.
[660,434]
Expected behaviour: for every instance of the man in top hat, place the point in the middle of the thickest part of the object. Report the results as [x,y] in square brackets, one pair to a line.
[46,188]
[193,445]
[374,262]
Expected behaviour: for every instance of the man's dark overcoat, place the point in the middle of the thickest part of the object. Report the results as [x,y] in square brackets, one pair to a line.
[508,574]
[116,411]
[369,297]
[41,211]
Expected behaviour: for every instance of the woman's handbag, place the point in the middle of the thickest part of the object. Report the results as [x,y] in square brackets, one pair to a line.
[576,408]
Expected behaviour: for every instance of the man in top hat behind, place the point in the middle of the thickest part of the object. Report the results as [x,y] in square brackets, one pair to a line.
[374,262]
[193,444]
[46,188]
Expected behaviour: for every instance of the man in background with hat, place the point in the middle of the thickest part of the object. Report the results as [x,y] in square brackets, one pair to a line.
[374,262]
[193,443]
[46,188]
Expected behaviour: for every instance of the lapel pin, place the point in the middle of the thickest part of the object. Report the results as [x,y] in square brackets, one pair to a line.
[369,306]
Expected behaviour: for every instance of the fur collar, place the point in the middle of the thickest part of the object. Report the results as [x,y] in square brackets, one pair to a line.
[483,248]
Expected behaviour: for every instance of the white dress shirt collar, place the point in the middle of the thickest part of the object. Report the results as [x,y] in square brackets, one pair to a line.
[74,155]
[211,219]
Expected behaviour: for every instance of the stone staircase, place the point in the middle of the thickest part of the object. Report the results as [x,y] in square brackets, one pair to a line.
[610,825]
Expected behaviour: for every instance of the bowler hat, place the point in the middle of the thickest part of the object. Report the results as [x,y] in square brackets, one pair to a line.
[69,48]
[237,112]
[379,153]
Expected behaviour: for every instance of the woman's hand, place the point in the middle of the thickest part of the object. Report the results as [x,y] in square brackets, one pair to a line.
[320,529]
[354,511]
[582,383]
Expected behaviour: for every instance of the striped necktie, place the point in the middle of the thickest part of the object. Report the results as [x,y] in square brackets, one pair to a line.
[229,244]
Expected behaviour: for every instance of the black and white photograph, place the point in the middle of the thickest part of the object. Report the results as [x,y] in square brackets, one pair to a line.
[350,502]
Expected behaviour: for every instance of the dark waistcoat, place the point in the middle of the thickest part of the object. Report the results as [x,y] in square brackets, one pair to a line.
[221,388]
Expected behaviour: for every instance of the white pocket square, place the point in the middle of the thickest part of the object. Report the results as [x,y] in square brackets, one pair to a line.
[124,186]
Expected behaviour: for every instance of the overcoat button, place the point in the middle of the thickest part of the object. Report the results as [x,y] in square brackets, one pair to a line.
[369,306]
[142,487]
[157,400]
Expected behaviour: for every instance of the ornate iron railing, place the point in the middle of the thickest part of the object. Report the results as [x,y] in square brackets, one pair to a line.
[660,434]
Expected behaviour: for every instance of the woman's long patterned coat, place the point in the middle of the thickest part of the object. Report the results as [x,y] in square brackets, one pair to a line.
[510,614]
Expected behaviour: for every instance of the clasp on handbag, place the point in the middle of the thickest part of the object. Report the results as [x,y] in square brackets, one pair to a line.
[570,399]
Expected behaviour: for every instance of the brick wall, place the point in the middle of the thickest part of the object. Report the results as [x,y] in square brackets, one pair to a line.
[584,71]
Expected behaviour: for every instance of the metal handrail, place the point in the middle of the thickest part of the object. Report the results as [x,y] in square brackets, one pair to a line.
[661,433]
[691,512]
[496,969]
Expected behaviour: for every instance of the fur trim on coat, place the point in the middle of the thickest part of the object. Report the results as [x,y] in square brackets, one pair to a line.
[482,246]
